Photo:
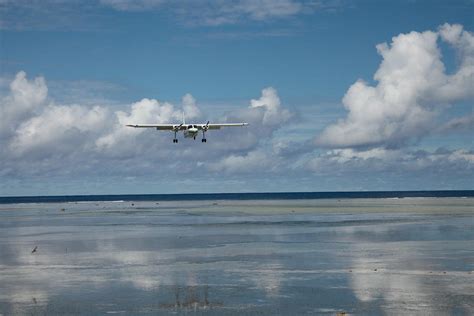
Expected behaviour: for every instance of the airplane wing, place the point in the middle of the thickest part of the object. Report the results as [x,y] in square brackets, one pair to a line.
[161,127]
[218,126]
[191,129]
[178,127]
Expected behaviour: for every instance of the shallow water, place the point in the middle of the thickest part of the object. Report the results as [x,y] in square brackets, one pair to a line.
[364,256]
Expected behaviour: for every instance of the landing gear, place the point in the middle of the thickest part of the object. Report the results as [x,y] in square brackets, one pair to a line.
[175,140]
[204,140]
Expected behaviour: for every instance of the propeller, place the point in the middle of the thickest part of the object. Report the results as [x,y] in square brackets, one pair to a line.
[176,128]
[206,127]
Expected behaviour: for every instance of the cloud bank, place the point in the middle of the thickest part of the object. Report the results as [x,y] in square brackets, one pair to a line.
[36,130]
[412,89]
[412,99]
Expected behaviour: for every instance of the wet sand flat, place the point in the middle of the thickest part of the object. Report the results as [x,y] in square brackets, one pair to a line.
[288,257]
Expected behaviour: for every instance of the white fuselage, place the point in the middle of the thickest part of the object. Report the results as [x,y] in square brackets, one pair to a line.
[191,131]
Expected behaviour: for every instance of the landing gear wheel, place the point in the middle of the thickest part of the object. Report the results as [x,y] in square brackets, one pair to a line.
[204,140]
[175,140]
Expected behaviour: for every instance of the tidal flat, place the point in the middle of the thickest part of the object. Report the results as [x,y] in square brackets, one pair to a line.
[278,257]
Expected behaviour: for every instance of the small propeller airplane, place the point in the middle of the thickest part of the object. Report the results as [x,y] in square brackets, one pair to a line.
[190,130]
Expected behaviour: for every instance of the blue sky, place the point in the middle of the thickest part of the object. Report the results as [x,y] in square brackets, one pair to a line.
[72,71]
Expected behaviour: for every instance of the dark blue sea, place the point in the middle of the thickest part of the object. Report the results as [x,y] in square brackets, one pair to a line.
[236,196]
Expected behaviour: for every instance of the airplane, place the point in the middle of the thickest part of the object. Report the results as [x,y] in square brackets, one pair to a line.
[189,130]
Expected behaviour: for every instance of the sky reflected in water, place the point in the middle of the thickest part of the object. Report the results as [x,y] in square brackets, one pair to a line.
[232,257]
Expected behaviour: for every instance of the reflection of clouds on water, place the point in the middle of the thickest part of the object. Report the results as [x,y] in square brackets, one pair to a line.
[142,282]
[366,285]
[25,283]
[27,295]
[174,259]
[99,261]
[140,269]
[31,279]
[269,279]
[387,278]
[19,297]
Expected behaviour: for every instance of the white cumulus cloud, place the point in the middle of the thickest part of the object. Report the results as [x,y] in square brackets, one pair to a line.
[412,89]
[46,135]
[265,111]
[270,101]
[48,139]
[58,128]
[25,98]
[249,162]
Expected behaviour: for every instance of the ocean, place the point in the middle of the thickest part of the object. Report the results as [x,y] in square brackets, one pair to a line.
[238,254]
[237,196]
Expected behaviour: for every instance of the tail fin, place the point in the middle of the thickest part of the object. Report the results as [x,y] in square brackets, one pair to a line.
[184,122]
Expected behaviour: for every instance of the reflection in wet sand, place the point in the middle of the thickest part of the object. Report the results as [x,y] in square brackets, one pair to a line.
[191,298]
[251,258]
